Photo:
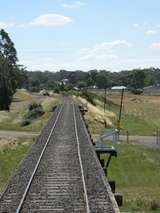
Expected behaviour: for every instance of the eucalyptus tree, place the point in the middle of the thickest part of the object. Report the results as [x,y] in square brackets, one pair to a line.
[9,70]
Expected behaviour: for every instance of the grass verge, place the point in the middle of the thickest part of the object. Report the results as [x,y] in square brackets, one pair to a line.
[11,153]
[136,171]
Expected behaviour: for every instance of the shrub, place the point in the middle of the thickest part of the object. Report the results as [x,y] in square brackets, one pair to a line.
[88,96]
[154,206]
[56,91]
[34,106]
[34,113]
[25,122]
[53,108]
[68,87]
[136,91]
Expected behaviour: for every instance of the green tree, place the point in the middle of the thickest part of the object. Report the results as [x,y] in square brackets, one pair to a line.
[9,71]
[149,80]
[7,84]
[20,73]
[7,49]
[89,81]
[68,87]
[50,85]
[82,84]
[138,79]
[93,74]
[101,81]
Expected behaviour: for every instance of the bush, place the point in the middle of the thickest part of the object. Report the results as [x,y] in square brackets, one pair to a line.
[89,97]
[34,111]
[56,91]
[34,106]
[154,206]
[136,91]
[25,122]
[53,108]
[68,87]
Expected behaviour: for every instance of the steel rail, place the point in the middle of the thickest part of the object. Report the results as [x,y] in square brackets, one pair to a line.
[37,164]
[80,161]
[112,198]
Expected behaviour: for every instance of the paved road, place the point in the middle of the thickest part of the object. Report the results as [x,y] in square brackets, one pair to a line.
[146,140]
[150,141]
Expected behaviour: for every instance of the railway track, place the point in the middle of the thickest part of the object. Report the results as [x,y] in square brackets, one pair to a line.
[66,176]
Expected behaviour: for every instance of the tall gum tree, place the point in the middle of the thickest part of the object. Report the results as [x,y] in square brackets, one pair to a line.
[9,71]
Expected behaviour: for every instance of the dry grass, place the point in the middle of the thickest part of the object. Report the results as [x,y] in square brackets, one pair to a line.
[96,118]
[5,144]
[49,102]
[12,143]
[140,113]
[12,120]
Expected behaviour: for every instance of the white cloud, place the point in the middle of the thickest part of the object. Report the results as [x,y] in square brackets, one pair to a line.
[21,25]
[74,5]
[51,20]
[4,25]
[105,55]
[141,25]
[156,45]
[136,25]
[101,56]
[45,20]
[76,64]
[146,24]
[113,44]
[103,50]
[151,32]
[131,63]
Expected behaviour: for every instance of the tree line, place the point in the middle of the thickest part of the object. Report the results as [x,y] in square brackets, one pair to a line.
[132,79]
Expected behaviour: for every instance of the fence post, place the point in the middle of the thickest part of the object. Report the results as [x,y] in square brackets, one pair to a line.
[127,136]
[157,136]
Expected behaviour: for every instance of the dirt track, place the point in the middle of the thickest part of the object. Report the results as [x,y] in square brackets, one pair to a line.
[14,134]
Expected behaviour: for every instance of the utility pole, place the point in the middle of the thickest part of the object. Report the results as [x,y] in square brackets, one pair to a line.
[105,100]
[120,111]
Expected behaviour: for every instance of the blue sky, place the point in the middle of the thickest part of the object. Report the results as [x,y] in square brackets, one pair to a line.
[84,34]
